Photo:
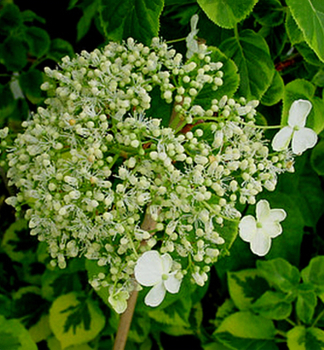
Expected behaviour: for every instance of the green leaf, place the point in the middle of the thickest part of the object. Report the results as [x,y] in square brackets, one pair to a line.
[279,273]
[317,158]
[18,244]
[269,12]
[275,92]
[306,303]
[14,53]
[7,101]
[301,338]
[308,54]
[251,54]
[227,13]
[60,48]
[314,274]
[84,23]
[245,324]
[75,320]
[38,41]
[14,336]
[177,314]
[273,305]
[30,83]
[10,18]
[245,287]
[237,343]
[140,328]
[294,33]
[231,80]
[223,311]
[303,89]
[30,16]
[318,78]
[309,15]
[304,195]
[131,18]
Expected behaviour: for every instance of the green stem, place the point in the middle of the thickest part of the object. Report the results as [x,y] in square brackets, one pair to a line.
[319,316]
[282,333]
[175,40]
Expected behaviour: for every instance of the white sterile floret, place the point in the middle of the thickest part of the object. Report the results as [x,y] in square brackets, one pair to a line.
[258,232]
[153,270]
[192,44]
[118,300]
[302,137]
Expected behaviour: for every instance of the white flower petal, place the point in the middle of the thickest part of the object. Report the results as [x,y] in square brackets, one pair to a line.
[303,139]
[260,243]
[282,138]
[298,113]
[247,228]
[277,215]
[149,269]
[272,228]
[262,210]
[166,262]
[172,284]
[156,295]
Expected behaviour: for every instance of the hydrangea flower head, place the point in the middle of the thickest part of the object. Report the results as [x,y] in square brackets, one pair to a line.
[302,138]
[153,270]
[258,232]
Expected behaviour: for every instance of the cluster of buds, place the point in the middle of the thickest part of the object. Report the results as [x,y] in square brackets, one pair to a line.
[95,166]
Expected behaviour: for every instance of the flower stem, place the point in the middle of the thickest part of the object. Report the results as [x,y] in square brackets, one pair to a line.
[125,322]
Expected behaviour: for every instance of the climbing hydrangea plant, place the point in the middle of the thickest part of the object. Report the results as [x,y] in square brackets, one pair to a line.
[105,177]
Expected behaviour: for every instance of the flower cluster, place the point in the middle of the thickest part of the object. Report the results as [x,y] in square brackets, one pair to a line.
[105,180]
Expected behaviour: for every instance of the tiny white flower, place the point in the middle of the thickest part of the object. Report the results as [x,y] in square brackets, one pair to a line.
[302,138]
[260,231]
[153,270]
[192,44]
[118,301]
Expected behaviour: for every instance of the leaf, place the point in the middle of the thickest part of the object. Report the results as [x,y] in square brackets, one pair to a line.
[75,320]
[41,330]
[314,274]
[14,336]
[243,344]
[308,54]
[84,23]
[227,13]
[30,16]
[140,328]
[244,324]
[294,33]
[176,314]
[131,18]
[30,83]
[317,158]
[306,303]
[38,41]
[231,80]
[245,287]
[273,305]
[18,243]
[275,92]
[10,18]
[280,273]
[28,305]
[14,53]
[60,48]
[250,53]
[301,338]
[269,12]
[7,101]
[309,15]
